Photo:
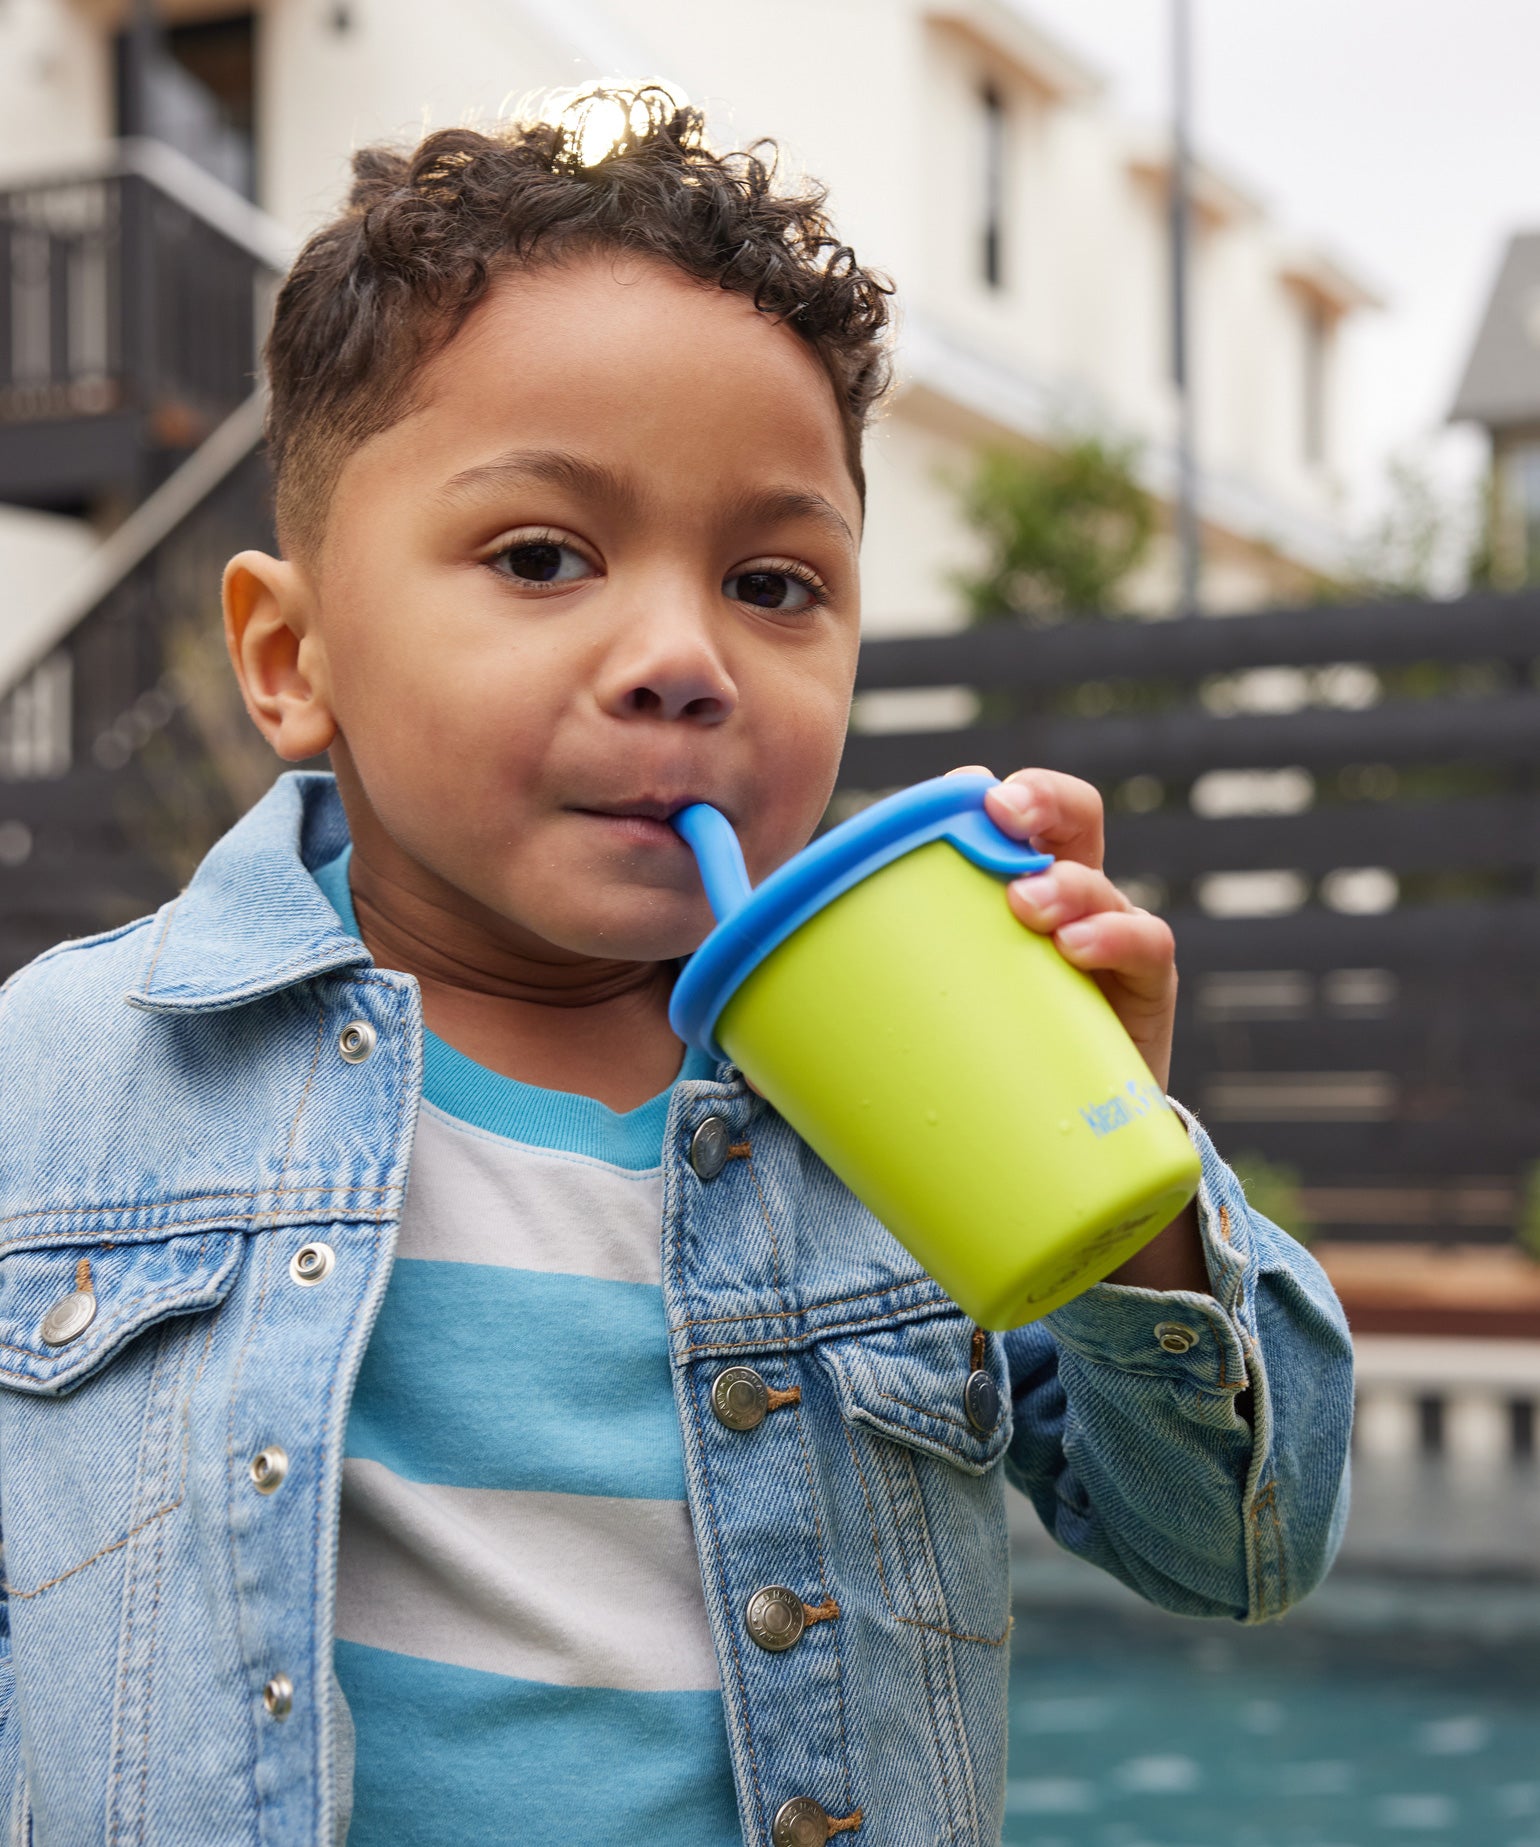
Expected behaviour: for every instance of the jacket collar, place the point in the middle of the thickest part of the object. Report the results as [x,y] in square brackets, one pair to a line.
[253,920]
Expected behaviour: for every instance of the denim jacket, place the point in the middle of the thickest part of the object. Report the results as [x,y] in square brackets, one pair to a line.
[186,1104]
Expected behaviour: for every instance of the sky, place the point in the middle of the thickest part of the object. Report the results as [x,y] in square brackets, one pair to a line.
[1403,135]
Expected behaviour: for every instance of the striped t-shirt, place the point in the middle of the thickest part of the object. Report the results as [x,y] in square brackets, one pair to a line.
[521,1632]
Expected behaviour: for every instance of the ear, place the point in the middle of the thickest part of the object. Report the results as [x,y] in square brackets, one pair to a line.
[277,653]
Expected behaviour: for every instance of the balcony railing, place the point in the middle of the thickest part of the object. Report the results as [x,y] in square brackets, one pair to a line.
[133,293]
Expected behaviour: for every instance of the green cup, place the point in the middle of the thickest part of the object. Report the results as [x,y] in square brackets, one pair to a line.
[969,1085]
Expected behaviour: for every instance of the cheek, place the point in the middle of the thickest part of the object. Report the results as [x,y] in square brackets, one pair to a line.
[419,697]
[807,734]
[796,764]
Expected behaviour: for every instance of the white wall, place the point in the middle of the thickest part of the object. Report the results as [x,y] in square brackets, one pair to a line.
[55,92]
[39,552]
[913,538]
[401,69]
[883,105]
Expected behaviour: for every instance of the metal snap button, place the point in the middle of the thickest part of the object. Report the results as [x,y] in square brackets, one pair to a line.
[1174,1337]
[981,1400]
[740,1398]
[69,1318]
[312,1263]
[708,1147]
[278,1696]
[776,1618]
[356,1041]
[268,1468]
[800,1823]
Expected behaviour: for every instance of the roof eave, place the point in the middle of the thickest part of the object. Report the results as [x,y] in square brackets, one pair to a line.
[1046,62]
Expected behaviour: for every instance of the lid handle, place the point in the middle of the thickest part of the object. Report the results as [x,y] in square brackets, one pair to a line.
[709,835]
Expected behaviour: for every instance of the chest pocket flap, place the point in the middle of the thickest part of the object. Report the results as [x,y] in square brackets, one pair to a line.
[66,1309]
[912,1384]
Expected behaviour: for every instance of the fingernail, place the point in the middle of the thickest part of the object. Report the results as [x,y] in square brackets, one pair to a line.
[1077,935]
[1016,798]
[1038,889]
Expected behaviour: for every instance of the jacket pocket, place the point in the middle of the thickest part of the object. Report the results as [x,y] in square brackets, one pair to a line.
[65,1310]
[99,1345]
[926,1453]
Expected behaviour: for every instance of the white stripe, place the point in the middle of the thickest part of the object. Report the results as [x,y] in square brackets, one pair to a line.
[479,1198]
[571,1589]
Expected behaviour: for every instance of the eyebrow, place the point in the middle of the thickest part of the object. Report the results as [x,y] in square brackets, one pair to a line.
[540,468]
[793,503]
[593,480]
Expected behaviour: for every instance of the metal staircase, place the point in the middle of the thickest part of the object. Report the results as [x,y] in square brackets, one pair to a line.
[133,292]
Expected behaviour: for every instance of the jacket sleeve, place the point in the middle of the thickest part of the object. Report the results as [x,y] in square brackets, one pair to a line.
[1128,1439]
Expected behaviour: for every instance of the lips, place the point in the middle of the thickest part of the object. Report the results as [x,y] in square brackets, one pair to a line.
[645,809]
[641,825]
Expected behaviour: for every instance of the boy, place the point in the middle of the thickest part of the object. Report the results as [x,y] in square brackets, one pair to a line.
[398,1340]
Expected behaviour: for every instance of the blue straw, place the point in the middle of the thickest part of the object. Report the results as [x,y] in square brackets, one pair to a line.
[709,835]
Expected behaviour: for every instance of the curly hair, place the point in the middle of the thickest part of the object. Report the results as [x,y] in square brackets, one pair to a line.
[385,286]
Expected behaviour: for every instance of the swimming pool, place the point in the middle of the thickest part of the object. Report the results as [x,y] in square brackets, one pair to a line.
[1400,1704]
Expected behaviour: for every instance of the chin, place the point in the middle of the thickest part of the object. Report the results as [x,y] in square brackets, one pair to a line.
[631,938]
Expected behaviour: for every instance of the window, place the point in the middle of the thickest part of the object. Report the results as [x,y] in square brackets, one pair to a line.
[202,95]
[1524,498]
[1317,338]
[993,126]
[35,724]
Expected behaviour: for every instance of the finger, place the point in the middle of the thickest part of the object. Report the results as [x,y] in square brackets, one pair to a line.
[1132,945]
[1048,901]
[1058,814]
[970,769]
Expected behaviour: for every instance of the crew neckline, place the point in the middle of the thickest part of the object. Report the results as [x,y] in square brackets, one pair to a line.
[563,1120]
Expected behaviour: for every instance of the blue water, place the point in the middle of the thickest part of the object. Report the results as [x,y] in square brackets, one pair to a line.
[1129,1732]
[1400,1705]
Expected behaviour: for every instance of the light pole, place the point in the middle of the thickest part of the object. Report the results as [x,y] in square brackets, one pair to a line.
[1188,538]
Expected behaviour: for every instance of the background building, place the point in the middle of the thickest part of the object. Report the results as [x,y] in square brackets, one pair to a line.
[1501,392]
[970,154]
[1338,809]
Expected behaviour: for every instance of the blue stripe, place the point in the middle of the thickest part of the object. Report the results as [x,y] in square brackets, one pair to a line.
[536,1380]
[527,1113]
[550,1118]
[453,1757]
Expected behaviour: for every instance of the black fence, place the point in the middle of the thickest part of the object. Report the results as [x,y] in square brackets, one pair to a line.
[1338,809]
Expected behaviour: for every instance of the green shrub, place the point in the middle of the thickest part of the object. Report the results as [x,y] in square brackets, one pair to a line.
[1273,1189]
[1529,1213]
[1062,530]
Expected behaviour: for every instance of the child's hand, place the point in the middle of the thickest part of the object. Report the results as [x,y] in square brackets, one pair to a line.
[1130,954]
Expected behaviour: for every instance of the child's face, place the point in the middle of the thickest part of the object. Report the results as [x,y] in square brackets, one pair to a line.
[608,566]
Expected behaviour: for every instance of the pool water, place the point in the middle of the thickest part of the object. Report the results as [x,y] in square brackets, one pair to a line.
[1399,1704]
[1133,1731]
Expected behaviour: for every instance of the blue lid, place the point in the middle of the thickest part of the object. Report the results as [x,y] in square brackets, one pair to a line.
[751,922]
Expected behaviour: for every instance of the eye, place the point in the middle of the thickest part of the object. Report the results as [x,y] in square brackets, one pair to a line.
[542,561]
[785,591]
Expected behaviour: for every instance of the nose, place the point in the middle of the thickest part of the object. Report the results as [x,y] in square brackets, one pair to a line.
[667,666]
